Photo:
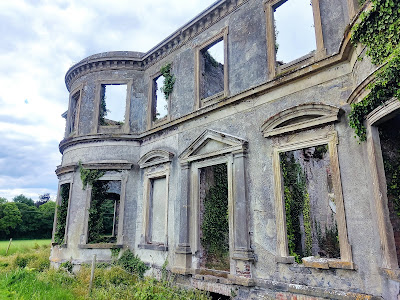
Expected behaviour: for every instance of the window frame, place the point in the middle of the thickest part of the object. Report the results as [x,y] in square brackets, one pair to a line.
[75,127]
[221,36]
[97,128]
[151,98]
[301,141]
[119,175]
[69,181]
[320,51]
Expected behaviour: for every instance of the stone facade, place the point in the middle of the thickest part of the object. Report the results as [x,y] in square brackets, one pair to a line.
[263,110]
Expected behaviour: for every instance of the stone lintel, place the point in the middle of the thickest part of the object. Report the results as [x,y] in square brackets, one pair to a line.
[157,247]
[239,280]
[100,246]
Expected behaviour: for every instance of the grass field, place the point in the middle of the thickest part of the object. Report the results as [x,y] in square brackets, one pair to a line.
[26,274]
[22,246]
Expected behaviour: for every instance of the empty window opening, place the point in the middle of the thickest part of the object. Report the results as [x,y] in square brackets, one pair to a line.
[112,104]
[73,112]
[294,30]
[214,223]
[62,212]
[104,211]
[212,59]
[216,296]
[157,211]
[160,102]
[389,133]
[310,203]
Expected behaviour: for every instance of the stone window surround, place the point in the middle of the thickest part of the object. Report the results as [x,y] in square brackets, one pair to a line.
[234,155]
[68,180]
[320,52]
[97,128]
[156,164]
[330,138]
[221,36]
[150,122]
[121,176]
[390,265]
[79,90]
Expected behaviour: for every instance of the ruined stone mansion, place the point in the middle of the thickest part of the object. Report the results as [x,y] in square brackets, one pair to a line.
[238,171]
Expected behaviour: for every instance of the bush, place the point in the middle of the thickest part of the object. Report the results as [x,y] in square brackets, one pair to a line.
[132,263]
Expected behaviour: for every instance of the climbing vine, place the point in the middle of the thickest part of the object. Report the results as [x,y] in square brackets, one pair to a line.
[169,80]
[89,176]
[103,107]
[62,211]
[379,30]
[215,225]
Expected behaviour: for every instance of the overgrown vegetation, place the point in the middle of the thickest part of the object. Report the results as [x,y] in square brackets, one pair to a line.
[379,30]
[62,211]
[28,276]
[169,80]
[215,224]
[89,176]
[103,106]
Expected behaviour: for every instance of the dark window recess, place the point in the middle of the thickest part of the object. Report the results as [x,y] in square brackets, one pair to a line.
[160,103]
[73,112]
[104,211]
[389,133]
[62,213]
[310,203]
[212,70]
[294,30]
[112,104]
[214,223]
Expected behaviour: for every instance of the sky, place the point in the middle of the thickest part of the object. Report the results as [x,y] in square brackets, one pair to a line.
[40,41]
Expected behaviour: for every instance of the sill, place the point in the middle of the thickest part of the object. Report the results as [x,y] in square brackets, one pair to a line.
[160,122]
[296,64]
[100,246]
[318,263]
[111,129]
[393,274]
[212,99]
[157,247]
[200,273]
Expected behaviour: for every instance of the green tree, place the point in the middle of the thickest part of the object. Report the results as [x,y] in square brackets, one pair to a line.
[22,199]
[3,200]
[10,217]
[30,221]
[47,217]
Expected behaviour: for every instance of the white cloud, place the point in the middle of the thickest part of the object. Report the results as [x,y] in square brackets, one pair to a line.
[41,39]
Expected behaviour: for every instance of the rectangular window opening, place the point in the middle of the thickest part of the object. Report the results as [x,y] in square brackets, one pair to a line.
[212,59]
[104,211]
[157,211]
[112,104]
[214,221]
[73,112]
[389,135]
[160,103]
[294,30]
[310,206]
[62,212]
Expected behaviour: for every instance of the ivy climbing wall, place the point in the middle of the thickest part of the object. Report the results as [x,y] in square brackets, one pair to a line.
[214,225]
[389,133]
[310,203]
[62,212]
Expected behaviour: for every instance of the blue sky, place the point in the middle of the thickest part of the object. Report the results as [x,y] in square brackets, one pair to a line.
[41,40]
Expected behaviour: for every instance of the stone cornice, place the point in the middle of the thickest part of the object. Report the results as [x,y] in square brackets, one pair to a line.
[141,61]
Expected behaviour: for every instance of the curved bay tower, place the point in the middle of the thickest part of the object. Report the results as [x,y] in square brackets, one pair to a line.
[233,163]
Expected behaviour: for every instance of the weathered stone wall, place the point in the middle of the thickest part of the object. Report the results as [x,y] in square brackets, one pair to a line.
[253,98]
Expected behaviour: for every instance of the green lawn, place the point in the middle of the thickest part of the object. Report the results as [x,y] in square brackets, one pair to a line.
[22,246]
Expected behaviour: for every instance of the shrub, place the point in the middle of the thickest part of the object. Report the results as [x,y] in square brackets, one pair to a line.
[132,263]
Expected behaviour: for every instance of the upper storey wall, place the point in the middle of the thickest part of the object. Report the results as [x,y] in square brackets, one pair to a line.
[244,26]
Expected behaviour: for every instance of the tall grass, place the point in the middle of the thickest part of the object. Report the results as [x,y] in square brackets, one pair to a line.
[27,275]
[22,246]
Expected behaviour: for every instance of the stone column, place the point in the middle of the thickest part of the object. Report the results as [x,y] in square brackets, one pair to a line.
[242,254]
[183,251]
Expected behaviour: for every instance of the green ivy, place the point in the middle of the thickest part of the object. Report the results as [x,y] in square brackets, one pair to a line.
[132,263]
[379,30]
[307,225]
[89,176]
[295,194]
[103,107]
[169,80]
[62,211]
[215,225]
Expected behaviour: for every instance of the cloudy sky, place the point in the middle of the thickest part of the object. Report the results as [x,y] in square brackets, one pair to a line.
[40,40]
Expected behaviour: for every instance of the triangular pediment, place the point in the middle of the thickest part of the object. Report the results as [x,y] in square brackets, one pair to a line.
[300,117]
[212,143]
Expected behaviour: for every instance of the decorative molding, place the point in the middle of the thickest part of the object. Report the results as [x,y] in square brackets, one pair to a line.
[61,170]
[228,142]
[108,165]
[155,157]
[300,117]
[141,61]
